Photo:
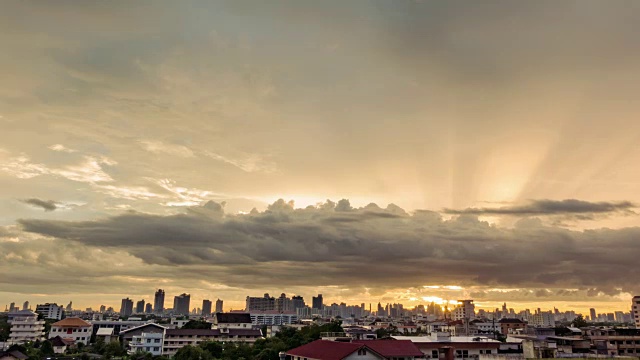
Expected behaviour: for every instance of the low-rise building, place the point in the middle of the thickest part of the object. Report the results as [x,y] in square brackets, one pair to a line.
[443,345]
[511,326]
[74,329]
[117,325]
[106,334]
[273,318]
[128,335]
[177,338]
[232,321]
[60,345]
[147,343]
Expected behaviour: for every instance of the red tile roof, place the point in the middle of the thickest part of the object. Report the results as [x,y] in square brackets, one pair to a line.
[72,322]
[392,348]
[325,350]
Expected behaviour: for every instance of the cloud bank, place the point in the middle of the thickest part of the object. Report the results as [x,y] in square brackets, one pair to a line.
[334,244]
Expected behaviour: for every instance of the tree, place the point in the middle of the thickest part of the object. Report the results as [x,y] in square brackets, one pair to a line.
[4,328]
[113,349]
[579,322]
[214,348]
[46,348]
[99,345]
[197,324]
[191,353]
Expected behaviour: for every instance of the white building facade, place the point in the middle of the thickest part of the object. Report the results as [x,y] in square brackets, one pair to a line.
[25,327]
[147,343]
[50,311]
[74,329]
[273,318]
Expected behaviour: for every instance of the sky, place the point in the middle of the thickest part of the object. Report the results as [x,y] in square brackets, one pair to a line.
[372,151]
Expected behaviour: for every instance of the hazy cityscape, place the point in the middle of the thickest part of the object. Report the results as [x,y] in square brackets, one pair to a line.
[157,329]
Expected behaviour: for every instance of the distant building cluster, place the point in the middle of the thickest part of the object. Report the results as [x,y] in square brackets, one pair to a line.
[423,332]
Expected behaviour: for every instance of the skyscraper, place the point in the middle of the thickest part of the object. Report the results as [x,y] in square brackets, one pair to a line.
[181,304]
[317,301]
[206,307]
[25,306]
[158,302]
[148,308]
[126,308]
[298,302]
[140,307]
[219,306]
[592,315]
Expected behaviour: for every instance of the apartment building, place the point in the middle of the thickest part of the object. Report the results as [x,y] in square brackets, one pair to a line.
[50,311]
[635,310]
[25,327]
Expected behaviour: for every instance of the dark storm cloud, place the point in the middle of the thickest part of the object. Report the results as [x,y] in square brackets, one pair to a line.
[47,205]
[581,209]
[359,247]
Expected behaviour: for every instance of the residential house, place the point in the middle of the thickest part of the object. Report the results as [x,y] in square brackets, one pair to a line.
[60,345]
[12,355]
[74,329]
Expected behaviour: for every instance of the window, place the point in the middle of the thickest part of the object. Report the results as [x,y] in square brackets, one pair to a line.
[434,354]
[156,349]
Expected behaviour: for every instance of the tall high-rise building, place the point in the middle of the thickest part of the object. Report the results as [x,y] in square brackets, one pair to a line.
[283,304]
[69,306]
[219,306]
[265,303]
[103,308]
[298,302]
[140,307]
[25,306]
[465,310]
[126,308]
[206,307]
[635,310]
[158,302]
[181,304]
[12,307]
[148,309]
[592,315]
[317,302]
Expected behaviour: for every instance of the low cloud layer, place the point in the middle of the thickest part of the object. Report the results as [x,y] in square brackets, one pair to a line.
[334,244]
[552,207]
[47,205]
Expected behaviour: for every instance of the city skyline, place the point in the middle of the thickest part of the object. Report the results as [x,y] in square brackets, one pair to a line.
[389,151]
[239,305]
